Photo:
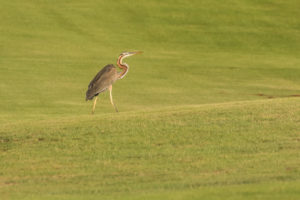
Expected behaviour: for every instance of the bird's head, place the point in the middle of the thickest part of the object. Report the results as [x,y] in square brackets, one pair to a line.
[127,54]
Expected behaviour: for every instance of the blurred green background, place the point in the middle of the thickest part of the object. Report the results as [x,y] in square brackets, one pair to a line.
[194,52]
[202,59]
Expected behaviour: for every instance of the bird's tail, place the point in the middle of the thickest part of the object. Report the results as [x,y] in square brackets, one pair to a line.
[89,95]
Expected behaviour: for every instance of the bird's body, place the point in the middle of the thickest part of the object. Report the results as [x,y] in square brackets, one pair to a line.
[101,82]
[106,77]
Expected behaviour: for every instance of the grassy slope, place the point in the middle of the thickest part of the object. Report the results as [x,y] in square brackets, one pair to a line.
[220,150]
[180,127]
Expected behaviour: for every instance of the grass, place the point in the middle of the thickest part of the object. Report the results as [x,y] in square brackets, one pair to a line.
[235,146]
[209,111]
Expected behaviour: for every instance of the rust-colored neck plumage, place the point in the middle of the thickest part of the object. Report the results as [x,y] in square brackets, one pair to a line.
[124,67]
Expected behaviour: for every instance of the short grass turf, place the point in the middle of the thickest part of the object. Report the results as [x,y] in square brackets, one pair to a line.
[209,111]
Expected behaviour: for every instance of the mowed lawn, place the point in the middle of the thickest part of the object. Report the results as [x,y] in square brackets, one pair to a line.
[210,110]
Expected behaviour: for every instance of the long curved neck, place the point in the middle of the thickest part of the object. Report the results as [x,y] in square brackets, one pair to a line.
[123,66]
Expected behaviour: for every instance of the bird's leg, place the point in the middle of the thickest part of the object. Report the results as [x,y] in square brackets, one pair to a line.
[111,100]
[94,106]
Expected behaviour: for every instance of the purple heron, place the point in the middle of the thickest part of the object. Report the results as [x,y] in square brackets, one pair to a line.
[106,77]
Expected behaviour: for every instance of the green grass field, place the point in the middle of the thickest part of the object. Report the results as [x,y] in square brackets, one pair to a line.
[210,110]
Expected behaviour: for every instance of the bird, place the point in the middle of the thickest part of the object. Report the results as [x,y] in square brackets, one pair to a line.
[105,78]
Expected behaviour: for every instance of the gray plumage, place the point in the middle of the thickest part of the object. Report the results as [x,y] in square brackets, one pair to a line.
[103,79]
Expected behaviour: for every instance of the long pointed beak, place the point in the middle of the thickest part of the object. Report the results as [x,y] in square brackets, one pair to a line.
[136,52]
